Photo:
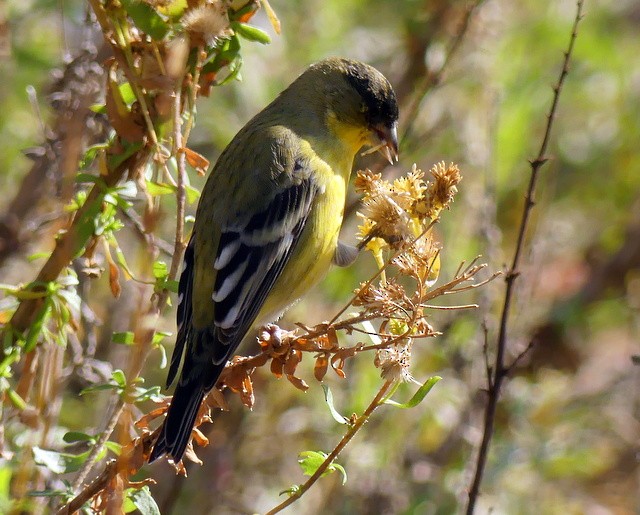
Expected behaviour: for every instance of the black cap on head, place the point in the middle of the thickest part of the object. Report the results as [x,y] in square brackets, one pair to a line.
[375,90]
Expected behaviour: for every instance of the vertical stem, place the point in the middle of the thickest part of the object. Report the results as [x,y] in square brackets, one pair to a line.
[500,369]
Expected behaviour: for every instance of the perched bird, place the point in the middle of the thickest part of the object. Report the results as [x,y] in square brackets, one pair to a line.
[267,224]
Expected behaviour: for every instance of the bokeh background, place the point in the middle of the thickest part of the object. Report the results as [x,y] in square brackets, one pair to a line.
[568,426]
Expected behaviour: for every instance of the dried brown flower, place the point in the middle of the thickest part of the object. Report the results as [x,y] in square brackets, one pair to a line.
[442,190]
[207,23]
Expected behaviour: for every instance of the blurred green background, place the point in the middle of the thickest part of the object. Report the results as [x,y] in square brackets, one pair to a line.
[568,426]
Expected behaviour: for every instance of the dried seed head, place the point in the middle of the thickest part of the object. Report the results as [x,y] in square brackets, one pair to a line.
[441,191]
[383,299]
[394,362]
[207,23]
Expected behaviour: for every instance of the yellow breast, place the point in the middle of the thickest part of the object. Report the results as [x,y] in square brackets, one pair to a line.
[332,163]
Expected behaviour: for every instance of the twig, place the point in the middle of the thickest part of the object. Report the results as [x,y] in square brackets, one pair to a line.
[334,454]
[148,238]
[500,369]
[111,469]
[485,354]
[519,357]
[97,448]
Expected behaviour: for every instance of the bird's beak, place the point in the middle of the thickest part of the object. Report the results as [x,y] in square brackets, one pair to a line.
[388,137]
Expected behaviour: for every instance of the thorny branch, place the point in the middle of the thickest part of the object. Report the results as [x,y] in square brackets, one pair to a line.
[500,370]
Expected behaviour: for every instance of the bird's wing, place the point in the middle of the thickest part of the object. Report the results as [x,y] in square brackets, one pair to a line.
[246,254]
[184,312]
[251,258]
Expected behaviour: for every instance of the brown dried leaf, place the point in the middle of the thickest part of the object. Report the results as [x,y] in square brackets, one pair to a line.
[298,383]
[321,367]
[332,337]
[276,367]
[132,458]
[180,468]
[198,437]
[234,375]
[293,360]
[139,484]
[339,358]
[191,455]
[216,399]
[114,279]
[260,360]
[143,422]
[338,370]
[246,395]
[315,345]
[196,161]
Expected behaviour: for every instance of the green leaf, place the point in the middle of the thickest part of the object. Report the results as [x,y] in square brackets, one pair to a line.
[60,462]
[160,270]
[77,436]
[128,506]
[86,178]
[99,388]
[418,397]
[143,501]
[172,286]
[160,188]
[339,468]
[310,461]
[223,55]
[251,33]
[146,19]
[145,394]
[328,397]
[114,447]
[234,71]
[192,193]
[174,8]
[159,336]
[156,342]
[91,152]
[119,377]
[38,255]
[35,329]
[5,482]
[126,338]
[115,160]
[163,357]
[291,490]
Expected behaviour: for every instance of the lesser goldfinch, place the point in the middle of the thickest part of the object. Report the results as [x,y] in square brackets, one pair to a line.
[268,220]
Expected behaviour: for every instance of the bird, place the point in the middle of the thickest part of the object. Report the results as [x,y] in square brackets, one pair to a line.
[268,221]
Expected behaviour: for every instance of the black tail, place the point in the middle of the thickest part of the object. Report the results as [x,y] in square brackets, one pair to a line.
[181,417]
